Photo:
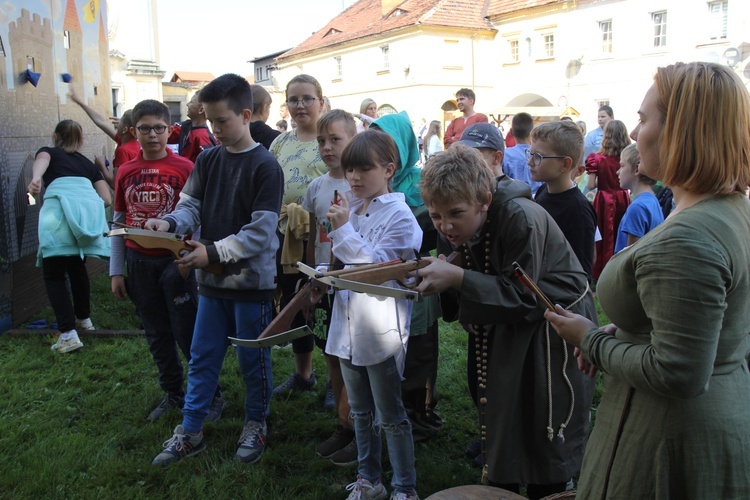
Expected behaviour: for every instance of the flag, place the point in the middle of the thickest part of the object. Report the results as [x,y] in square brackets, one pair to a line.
[91,11]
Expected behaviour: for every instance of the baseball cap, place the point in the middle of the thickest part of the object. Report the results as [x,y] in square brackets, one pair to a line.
[483,135]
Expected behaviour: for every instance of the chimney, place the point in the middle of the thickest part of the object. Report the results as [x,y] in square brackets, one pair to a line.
[389,5]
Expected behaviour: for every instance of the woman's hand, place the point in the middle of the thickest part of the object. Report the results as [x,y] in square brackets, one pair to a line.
[570,326]
[338,215]
[35,186]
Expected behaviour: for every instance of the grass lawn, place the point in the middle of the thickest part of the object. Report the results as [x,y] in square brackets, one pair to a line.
[73,426]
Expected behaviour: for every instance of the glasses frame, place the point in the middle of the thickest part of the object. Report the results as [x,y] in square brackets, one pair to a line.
[149,129]
[538,158]
[306,102]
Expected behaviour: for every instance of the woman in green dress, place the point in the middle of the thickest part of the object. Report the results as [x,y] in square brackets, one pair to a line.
[673,419]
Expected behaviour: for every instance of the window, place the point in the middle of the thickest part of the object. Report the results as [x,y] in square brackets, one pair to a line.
[602,102]
[605,28]
[337,60]
[258,74]
[717,21]
[66,39]
[2,48]
[514,55]
[549,45]
[660,28]
[528,47]
[115,103]
[31,64]
[384,52]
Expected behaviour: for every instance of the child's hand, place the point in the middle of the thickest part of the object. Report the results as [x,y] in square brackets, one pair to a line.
[338,215]
[196,259]
[118,287]
[438,276]
[318,291]
[156,225]
[570,326]
[35,185]
[584,365]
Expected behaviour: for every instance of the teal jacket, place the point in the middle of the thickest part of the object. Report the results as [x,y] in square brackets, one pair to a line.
[406,179]
[72,221]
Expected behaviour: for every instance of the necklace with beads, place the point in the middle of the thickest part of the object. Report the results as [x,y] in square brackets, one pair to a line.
[481,344]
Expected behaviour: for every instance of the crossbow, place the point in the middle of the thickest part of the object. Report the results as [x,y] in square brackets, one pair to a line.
[366,278]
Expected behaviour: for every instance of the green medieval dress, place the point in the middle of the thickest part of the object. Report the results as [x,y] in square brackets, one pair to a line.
[676,380]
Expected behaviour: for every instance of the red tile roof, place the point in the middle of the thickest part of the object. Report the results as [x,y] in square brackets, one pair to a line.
[191,77]
[365,19]
[499,7]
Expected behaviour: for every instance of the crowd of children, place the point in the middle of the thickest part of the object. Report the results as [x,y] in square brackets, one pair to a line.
[332,197]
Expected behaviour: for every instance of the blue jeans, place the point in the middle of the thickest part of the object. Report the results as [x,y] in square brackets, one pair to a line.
[167,304]
[375,401]
[217,320]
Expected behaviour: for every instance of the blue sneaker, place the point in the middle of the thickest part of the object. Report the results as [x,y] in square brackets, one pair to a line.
[179,446]
[252,442]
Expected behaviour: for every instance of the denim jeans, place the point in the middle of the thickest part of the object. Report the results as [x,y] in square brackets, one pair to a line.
[375,400]
[66,312]
[217,320]
[167,304]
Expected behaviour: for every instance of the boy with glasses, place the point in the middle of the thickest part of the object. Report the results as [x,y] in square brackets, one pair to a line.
[554,158]
[164,295]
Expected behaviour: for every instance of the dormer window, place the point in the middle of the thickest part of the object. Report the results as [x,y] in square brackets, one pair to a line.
[397,13]
[332,31]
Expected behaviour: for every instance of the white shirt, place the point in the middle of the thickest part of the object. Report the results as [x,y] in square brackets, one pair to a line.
[369,329]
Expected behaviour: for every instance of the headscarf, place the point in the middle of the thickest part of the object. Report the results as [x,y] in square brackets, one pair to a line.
[406,179]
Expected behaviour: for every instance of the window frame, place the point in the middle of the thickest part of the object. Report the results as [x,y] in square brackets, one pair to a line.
[660,28]
[721,15]
[606,37]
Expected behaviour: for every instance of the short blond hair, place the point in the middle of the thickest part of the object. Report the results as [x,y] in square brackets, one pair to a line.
[458,174]
[705,144]
[564,137]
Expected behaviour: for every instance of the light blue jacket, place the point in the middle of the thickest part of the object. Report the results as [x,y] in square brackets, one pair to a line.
[72,221]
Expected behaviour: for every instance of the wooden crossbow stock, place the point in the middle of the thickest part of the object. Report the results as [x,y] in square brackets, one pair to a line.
[173,242]
[365,279]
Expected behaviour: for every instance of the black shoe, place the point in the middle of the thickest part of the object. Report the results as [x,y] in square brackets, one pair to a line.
[329,403]
[345,456]
[294,383]
[338,440]
[170,401]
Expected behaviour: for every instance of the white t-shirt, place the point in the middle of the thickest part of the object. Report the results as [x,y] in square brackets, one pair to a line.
[318,199]
[435,145]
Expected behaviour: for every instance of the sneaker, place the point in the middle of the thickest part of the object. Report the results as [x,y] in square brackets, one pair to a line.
[170,401]
[338,440]
[404,496]
[84,324]
[217,407]
[329,403]
[345,456]
[364,489]
[294,383]
[252,442]
[68,342]
[179,446]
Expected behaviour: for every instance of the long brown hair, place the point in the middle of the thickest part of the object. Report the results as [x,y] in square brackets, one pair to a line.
[615,138]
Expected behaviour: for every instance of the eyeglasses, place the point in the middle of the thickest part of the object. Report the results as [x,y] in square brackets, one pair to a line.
[306,101]
[145,129]
[537,158]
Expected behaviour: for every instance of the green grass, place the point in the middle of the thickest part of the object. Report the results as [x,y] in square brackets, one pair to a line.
[73,426]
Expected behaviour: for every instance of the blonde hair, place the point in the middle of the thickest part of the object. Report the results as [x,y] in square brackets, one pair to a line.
[615,138]
[365,104]
[69,136]
[705,143]
[564,137]
[306,79]
[630,155]
[458,174]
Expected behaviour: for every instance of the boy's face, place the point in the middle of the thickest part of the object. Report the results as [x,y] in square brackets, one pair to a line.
[627,175]
[493,159]
[550,168]
[151,141]
[459,221]
[331,144]
[464,104]
[194,108]
[228,127]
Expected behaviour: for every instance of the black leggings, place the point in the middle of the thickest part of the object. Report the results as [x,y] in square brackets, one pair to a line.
[66,312]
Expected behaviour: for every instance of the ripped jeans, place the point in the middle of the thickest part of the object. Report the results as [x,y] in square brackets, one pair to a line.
[375,399]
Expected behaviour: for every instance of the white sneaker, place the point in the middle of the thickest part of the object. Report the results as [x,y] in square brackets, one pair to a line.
[84,324]
[365,490]
[68,342]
